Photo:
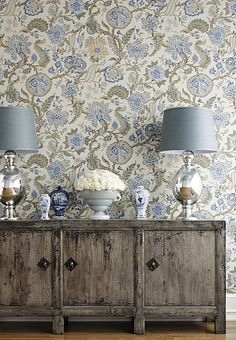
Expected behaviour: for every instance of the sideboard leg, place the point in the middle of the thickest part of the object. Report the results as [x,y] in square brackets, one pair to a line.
[139,324]
[58,324]
[220,325]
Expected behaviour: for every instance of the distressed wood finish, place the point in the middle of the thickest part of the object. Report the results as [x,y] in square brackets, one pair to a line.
[139,284]
[22,282]
[186,272]
[220,321]
[112,277]
[104,273]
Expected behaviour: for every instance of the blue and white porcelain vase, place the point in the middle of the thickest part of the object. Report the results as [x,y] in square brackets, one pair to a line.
[44,203]
[59,201]
[140,198]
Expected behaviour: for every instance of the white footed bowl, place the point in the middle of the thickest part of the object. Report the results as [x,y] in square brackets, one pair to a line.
[99,202]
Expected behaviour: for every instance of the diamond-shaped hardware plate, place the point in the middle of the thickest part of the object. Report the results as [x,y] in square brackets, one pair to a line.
[152,264]
[71,264]
[43,264]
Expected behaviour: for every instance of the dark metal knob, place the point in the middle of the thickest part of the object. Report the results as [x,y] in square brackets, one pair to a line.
[71,264]
[43,264]
[152,264]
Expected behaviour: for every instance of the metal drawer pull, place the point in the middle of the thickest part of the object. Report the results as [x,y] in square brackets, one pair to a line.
[152,264]
[71,264]
[43,264]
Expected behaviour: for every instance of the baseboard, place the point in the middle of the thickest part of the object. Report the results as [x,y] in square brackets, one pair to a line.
[231,307]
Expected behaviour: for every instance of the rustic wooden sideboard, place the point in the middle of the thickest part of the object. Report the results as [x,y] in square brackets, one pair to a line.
[130,268]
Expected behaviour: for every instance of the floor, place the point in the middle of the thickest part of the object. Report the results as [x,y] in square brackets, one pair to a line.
[115,331]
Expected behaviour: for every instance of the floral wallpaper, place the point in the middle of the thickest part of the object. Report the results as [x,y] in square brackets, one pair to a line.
[98,75]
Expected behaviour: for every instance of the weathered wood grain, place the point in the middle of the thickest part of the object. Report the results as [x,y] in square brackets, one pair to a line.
[220,322]
[186,272]
[104,274]
[58,323]
[181,311]
[22,282]
[112,277]
[97,310]
[139,284]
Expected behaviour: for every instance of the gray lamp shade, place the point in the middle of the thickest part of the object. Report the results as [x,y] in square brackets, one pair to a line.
[17,130]
[188,128]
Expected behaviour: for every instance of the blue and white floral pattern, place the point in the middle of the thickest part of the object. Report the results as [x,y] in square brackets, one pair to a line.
[119,17]
[18,45]
[156,73]
[119,153]
[76,141]
[33,7]
[136,102]
[137,50]
[38,84]
[150,23]
[98,75]
[178,45]
[98,112]
[76,6]
[56,34]
[57,117]
[159,210]
[200,85]
[56,170]
[217,35]
[232,6]
[193,7]
[112,74]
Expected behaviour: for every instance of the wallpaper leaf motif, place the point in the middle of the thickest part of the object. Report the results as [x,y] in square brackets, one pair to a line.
[98,75]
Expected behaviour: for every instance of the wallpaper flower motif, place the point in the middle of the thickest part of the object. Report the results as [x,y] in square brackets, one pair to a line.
[98,75]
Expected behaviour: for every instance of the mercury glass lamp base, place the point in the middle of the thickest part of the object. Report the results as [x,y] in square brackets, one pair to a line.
[9,213]
[182,217]
[186,213]
[187,186]
[11,186]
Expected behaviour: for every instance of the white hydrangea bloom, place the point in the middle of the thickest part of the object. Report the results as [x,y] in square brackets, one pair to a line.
[100,180]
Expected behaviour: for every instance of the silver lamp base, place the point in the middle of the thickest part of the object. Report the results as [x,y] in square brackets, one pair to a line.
[187,186]
[11,186]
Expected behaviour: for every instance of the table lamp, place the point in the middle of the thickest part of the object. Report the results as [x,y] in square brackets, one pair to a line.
[17,135]
[187,131]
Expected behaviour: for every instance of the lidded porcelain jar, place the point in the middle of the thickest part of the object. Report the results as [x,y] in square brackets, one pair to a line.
[44,203]
[140,198]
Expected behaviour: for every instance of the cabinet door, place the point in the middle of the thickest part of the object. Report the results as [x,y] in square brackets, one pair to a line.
[22,282]
[104,271]
[185,273]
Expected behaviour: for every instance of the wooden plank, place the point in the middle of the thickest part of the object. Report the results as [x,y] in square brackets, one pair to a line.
[220,322]
[139,320]
[83,224]
[186,271]
[26,311]
[22,282]
[104,271]
[57,281]
[180,311]
[98,310]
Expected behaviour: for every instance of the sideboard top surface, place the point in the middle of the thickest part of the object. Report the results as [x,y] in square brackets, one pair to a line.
[122,224]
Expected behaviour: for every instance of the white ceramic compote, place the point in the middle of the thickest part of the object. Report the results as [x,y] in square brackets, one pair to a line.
[98,188]
[99,202]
